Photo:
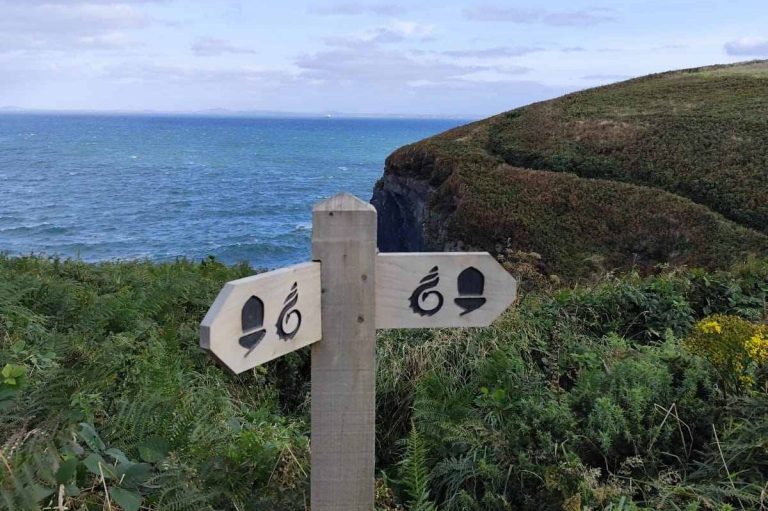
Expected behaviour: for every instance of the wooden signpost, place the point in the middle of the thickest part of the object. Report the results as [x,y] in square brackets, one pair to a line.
[260,318]
[433,289]
[340,300]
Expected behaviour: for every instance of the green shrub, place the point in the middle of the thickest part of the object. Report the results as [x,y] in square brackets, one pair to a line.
[587,400]
[579,399]
[115,346]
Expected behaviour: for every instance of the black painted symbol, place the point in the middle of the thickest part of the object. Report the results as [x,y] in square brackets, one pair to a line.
[252,318]
[421,294]
[471,284]
[286,314]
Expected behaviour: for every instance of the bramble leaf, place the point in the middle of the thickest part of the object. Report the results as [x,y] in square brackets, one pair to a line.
[88,434]
[128,500]
[66,471]
[154,449]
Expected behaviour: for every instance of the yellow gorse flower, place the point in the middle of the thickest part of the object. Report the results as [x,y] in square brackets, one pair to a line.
[734,346]
[746,380]
[757,347]
[710,327]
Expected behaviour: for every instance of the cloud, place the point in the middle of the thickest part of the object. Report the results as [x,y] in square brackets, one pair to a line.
[78,17]
[496,74]
[378,66]
[410,82]
[48,59]
[383,35]
[747,46]
[357,8]
[581,17]
[214,47]
[496,52]
[413,29]
[512,70]
[143,72]
[373,66]
[29,3]
[672,47]
[496,13]
[58,26]
[393,33]
[107,41]
[605,77]
[341,80]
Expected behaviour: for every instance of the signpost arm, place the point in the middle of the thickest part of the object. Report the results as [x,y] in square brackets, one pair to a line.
[343,363]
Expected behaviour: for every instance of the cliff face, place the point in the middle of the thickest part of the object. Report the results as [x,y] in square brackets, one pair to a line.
[408,216]
[671,168]
[401,204]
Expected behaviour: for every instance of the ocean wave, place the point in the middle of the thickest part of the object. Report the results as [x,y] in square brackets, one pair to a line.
[44,228]
[243,193]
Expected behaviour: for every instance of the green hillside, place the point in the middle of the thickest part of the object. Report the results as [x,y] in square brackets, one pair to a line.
[588,398]
[665,168]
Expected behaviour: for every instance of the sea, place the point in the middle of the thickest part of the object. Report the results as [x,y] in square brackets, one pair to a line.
[118,187]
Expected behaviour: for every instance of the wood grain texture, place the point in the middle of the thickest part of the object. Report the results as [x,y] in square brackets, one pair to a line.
[343,363]
[398,275]
[222,327]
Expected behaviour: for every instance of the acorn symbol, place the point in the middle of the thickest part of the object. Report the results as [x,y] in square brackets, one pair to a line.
[252,318]
[471,283]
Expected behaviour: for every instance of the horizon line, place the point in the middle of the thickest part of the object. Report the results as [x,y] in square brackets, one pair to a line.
[227,113]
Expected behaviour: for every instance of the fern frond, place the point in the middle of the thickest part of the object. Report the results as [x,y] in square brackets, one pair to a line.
[414,475]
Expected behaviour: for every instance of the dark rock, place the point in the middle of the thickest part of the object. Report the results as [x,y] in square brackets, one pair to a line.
[401,205]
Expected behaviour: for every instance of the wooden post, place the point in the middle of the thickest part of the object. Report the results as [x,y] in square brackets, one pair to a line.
[336,306]
[343,362]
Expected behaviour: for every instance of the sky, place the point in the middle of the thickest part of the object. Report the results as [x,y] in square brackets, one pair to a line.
[431,57]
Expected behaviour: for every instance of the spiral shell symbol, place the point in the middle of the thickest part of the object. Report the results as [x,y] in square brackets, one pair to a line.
[288,315]
[421,295]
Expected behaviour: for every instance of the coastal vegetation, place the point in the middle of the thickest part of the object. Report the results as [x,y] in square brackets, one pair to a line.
[631,376]
[668,168]
[629,393]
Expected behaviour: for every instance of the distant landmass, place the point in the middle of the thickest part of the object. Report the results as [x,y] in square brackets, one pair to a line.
[668,168]
[225,112]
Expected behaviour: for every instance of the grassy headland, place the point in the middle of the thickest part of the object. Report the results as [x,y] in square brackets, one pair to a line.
[669,168]
[583,398]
